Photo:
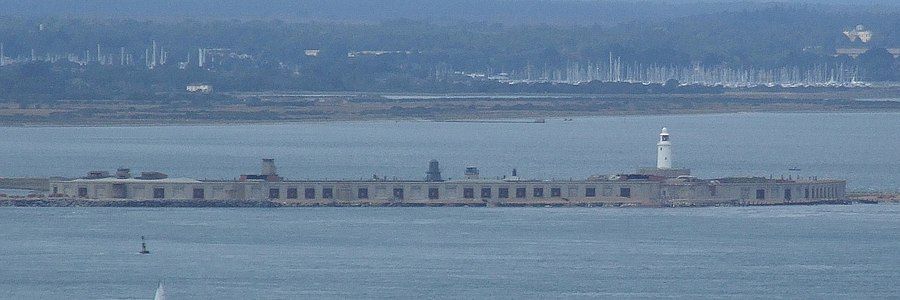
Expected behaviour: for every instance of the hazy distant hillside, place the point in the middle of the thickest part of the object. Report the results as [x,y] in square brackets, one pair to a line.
[503,11]
[116,56]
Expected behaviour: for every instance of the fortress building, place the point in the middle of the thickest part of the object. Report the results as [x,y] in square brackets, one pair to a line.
[664,185]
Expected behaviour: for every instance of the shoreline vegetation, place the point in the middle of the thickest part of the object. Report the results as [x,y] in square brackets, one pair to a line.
[289,107]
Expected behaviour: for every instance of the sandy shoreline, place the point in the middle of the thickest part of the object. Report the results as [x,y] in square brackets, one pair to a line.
[287,107]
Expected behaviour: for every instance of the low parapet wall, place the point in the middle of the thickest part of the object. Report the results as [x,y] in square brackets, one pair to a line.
[638,192]
[74,202]
[603,202]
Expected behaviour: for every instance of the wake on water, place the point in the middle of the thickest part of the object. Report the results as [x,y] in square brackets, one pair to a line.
[160,292]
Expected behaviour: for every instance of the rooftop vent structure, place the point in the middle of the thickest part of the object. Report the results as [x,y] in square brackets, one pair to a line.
[268,167]
[514,177]
[152,176]
[97,175]
[267,172]
[123,173]
[434,172]
[472,172]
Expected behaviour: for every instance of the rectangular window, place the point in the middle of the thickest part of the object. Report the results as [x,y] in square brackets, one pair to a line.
[309,193]
[503,193]
[625,192]
[199,194]
[362,193]
[292,193]
[82,192]
[806,193]
[787,194]
[555,192]
[159,193]
[468,193]
[486,193]
[274,193]
[538,192]
[327,193]
[398,193]
[760,194]
[590,192]
[520,192]
[712,190]
[434,194]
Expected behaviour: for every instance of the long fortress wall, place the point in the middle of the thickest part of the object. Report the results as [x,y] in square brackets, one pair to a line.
[625,191]
[659,186]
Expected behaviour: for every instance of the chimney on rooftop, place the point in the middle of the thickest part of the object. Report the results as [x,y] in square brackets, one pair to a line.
[268,167]
[123,173]
[434,171]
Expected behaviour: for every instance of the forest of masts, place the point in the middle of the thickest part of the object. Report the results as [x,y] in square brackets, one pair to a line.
[613,70]
[826,74]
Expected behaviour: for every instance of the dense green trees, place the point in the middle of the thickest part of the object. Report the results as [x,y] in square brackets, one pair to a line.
[769,37]
[878,64]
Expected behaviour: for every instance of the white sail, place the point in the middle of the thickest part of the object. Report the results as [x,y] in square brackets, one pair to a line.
[160,293]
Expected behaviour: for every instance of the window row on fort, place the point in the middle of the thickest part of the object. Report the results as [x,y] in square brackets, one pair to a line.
[386,190]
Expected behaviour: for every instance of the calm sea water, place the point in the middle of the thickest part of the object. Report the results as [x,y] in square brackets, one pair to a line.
[860,147]
[15,192]
[515,253]
[805,252]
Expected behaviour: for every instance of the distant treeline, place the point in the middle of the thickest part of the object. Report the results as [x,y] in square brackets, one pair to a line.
[558,12]
[270,55]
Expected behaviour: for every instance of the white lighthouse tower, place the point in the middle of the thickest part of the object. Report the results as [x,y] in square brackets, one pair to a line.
[664,151]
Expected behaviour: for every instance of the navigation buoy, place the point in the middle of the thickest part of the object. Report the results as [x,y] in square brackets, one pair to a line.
[144,246]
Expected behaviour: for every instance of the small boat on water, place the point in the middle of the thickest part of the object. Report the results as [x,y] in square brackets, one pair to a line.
[794,169]
[160,292]
[144,246]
